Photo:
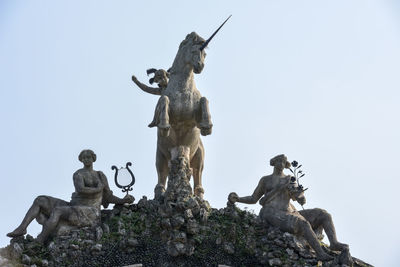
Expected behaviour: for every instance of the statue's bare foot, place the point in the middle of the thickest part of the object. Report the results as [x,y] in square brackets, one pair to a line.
[324,257]
[17,232]
[338,246]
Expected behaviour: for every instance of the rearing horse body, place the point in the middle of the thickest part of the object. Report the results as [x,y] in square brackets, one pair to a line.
[182,114]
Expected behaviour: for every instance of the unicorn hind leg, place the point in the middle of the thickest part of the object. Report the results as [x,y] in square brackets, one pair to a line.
[197,164]
[162,172]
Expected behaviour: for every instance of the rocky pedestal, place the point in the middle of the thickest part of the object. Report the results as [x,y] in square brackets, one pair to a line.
[182,213]
[131,235]
[181,230]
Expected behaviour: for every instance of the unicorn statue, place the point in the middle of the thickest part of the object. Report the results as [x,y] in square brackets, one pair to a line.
[182,114]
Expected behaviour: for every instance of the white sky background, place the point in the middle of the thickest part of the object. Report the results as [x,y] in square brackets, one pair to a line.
[316,80]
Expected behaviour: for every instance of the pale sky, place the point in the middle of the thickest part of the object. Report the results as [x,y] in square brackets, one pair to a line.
[316,80]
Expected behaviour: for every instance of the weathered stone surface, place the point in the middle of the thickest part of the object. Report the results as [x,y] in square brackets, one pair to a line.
[16,249]
[188,214]
[106,228]
[229,248]
[208,247]
[97,248]
[183,230]
[177,221]
[51,246]
[274,192]
[74,246]
[275,262]
[192,227]
[132,242]
[4,262]
[99,233]
[181,113]
[26,259]
[181,211]
[345,258]
[91,191]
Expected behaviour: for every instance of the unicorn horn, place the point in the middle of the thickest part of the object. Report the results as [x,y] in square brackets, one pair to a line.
[212,36]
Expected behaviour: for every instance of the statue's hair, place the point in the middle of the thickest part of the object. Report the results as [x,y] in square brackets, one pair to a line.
[273,161]
[87,151]
[152,70]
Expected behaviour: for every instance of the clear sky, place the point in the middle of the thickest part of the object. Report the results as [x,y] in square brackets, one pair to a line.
[316,80]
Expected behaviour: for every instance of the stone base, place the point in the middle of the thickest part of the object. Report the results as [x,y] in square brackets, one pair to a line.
[182,212]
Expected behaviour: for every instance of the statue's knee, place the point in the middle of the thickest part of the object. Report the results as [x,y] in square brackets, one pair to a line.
[39,201]
[321,211]
[325,215]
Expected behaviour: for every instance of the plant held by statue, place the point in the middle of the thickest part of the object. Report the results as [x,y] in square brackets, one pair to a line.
[297,174]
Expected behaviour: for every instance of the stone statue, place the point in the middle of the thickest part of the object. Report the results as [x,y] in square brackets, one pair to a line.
[91,191]
[181,112]
[161,78]
[276,191]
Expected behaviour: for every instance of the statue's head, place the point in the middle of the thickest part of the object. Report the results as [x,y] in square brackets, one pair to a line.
[191,53]
[160,77]
[280,162]
[87,157]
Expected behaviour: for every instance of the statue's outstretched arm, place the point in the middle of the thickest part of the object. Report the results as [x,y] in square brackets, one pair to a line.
[108,196]
[257,194]
[81,188]
[147,89]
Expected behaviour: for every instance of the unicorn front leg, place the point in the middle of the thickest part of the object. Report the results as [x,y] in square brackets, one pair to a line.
[205,123]
[161,117]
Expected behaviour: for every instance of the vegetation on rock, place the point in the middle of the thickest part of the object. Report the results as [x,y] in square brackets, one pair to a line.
[133,234]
